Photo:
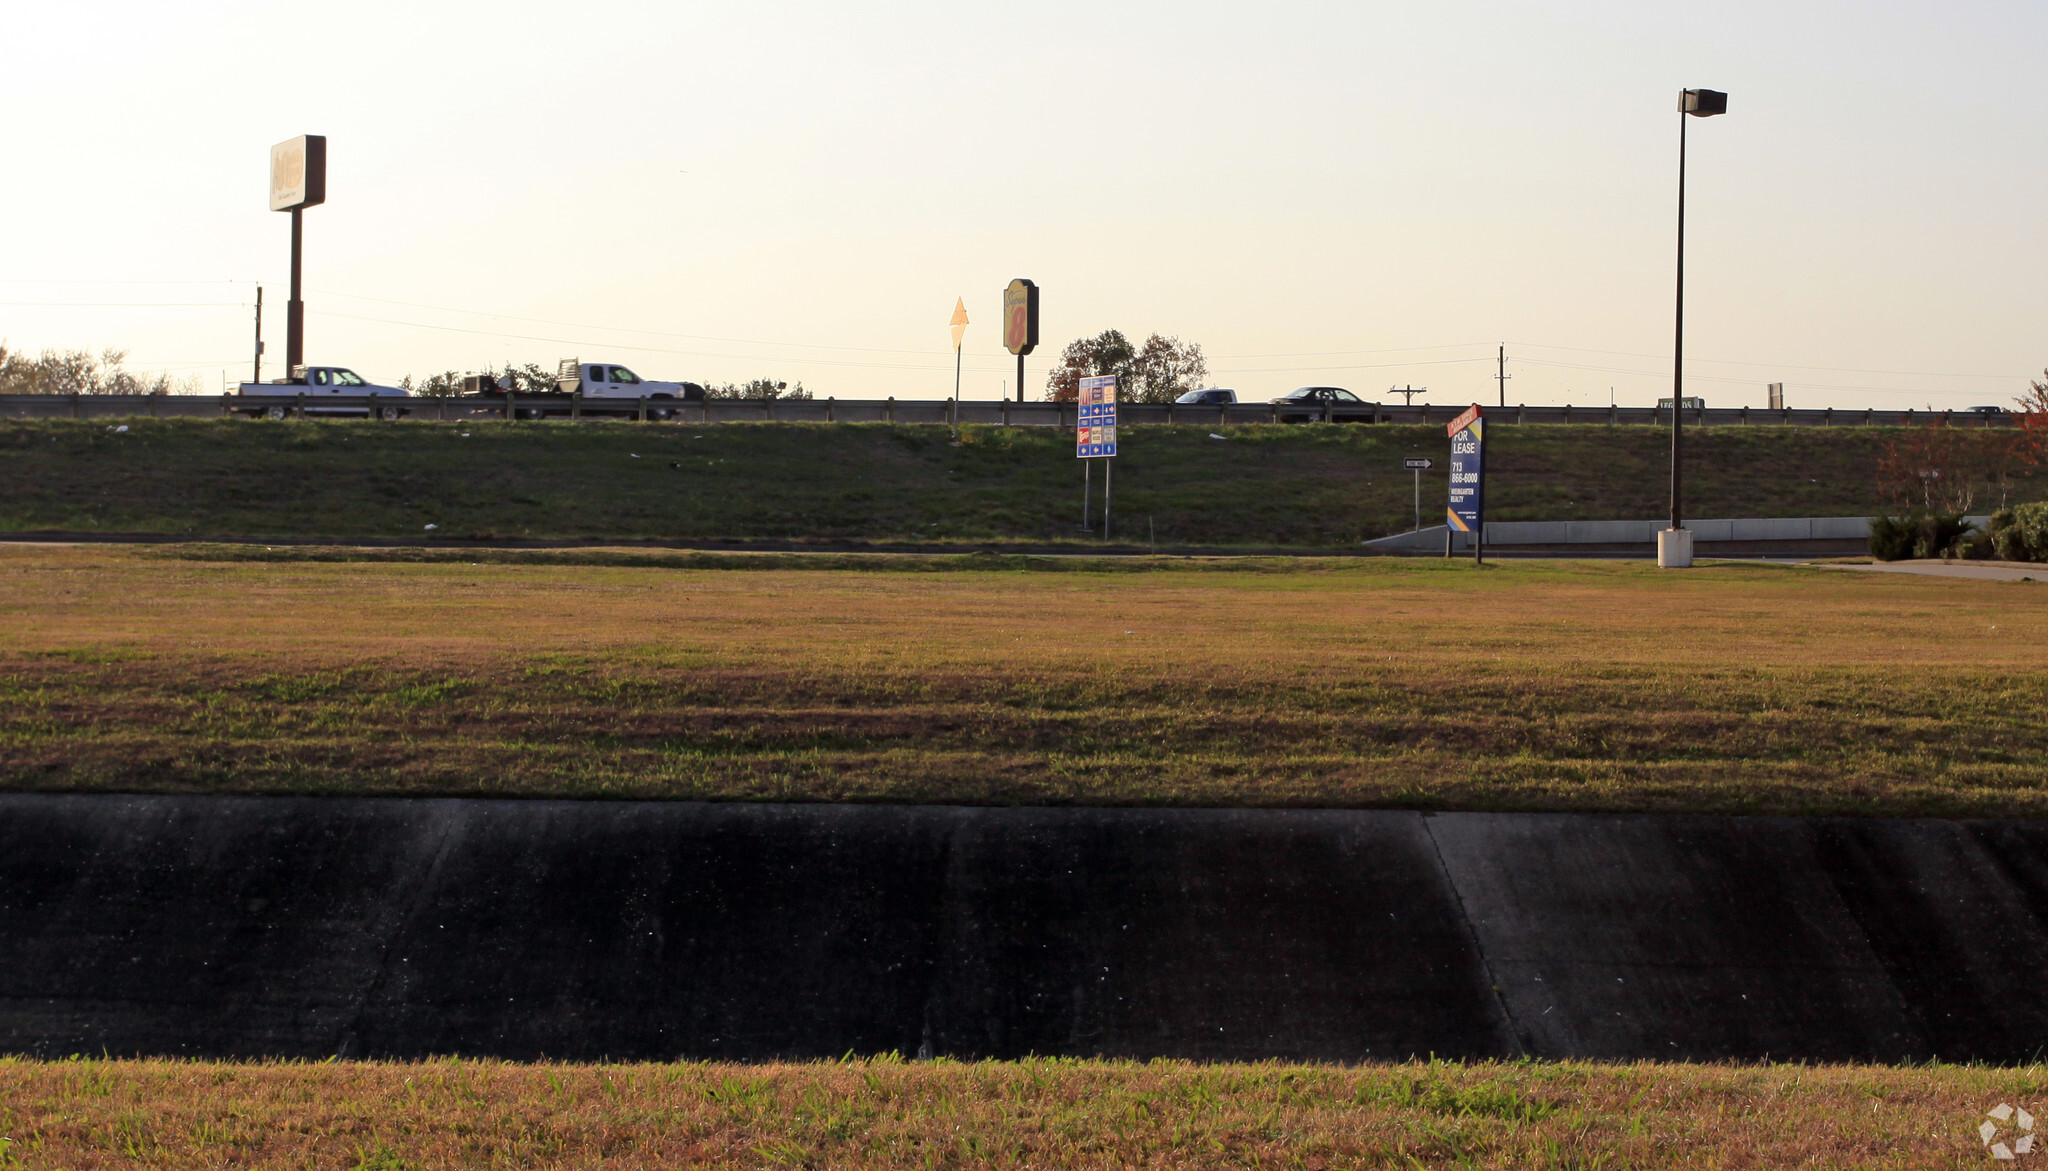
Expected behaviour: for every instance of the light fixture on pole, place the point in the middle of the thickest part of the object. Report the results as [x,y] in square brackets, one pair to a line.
[1674,545]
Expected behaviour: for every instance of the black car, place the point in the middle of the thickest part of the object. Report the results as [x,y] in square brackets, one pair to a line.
[1308,404]
[1213,397]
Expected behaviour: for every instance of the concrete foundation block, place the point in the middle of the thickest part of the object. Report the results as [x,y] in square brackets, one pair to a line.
[1674,548]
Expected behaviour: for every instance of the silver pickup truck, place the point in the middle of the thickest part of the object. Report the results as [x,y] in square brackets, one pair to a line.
[317,383]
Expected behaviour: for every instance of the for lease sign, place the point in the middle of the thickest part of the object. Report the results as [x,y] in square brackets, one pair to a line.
[1468,470]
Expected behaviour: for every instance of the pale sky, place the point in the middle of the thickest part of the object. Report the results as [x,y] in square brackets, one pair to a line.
[1358,194]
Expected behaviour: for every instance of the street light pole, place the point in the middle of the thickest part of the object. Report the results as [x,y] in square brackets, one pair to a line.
[1674,545]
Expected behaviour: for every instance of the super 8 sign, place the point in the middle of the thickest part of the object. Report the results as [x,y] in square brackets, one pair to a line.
[1468,470]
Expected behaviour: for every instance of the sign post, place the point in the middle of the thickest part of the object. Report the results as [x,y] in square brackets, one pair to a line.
[298,180]
[1418,464]
[1095,438]
[1466,513]
[959,324]
[1020,324]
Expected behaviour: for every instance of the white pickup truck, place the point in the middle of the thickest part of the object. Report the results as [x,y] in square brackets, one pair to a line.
[591,388]
[319,383]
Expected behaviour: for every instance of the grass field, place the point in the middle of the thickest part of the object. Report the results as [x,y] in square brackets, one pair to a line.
[1304,487]
[891,1114]
[1282,682]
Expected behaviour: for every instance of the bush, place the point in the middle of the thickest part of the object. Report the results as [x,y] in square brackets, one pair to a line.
[1922,535]
[2021,533]
[1891,537]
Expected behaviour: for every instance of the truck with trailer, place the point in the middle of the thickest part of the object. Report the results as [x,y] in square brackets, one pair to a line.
[309,389]
[588,388]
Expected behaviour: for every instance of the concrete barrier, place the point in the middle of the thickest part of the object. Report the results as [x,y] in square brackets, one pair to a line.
[1712,537]
[306,927]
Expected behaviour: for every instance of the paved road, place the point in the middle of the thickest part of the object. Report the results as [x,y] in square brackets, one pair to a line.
[1978,570]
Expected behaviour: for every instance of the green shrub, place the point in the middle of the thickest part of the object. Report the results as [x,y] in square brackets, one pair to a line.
[2020,533]
[1891,537]
[1940,534]
[1918,534]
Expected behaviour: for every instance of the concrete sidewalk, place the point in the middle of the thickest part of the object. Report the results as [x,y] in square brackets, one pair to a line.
[1976,570]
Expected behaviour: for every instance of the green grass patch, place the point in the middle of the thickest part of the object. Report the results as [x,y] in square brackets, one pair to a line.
[1300,487]
[1320,682]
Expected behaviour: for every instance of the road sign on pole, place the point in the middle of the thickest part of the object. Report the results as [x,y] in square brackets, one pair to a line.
[298,180]
[1020,324]
[1095,433]
[1095,422]
[1466,513]
[1418,464]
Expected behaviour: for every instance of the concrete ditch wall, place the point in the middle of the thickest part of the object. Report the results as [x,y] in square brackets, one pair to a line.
[309,927]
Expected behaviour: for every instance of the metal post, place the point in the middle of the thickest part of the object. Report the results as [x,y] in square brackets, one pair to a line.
[1020,378]
[1087,490]
[1678,343]
[256,375]
[1418,500]
[1108,467]
[1479,542]
[295,309]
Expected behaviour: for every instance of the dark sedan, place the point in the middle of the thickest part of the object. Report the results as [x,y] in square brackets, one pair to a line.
[1310,404]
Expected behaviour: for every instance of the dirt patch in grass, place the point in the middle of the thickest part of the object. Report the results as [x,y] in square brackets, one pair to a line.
[1523,686]
[886,1113]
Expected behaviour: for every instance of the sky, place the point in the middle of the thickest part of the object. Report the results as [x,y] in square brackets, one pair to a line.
[1365,195]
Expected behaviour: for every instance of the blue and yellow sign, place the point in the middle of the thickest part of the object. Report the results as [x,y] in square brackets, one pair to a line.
[1095,425]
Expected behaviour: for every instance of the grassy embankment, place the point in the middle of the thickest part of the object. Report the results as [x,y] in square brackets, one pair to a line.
[1264,486]
[1345,682]
[891,1114]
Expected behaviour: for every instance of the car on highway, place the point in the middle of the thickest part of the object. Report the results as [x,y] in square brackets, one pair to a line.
[1987,410]
[1310,404]
[309,385]
[1215,396]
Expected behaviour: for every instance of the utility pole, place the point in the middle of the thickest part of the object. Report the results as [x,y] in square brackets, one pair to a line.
[256,375]
[1503,376]
[1410,391]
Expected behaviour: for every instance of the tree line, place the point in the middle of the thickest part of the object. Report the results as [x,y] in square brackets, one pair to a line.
[83,372]
[1158,371]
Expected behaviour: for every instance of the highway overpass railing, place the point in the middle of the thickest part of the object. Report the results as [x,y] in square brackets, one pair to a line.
[979,411]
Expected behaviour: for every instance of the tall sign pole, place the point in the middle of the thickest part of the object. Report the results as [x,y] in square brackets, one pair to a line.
[1020,324]
[1095,434]
[1467,511]
[298,180]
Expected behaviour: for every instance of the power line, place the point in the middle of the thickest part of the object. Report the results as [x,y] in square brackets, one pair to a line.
[1769,365]
[612,328]
[642,349]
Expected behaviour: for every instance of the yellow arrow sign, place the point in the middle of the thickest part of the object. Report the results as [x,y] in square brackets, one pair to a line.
[959,320]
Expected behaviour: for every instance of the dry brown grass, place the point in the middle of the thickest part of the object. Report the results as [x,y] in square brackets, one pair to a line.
[889,1114]
[1526,685]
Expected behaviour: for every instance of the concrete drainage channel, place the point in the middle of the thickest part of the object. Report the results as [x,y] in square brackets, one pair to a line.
[304,927]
